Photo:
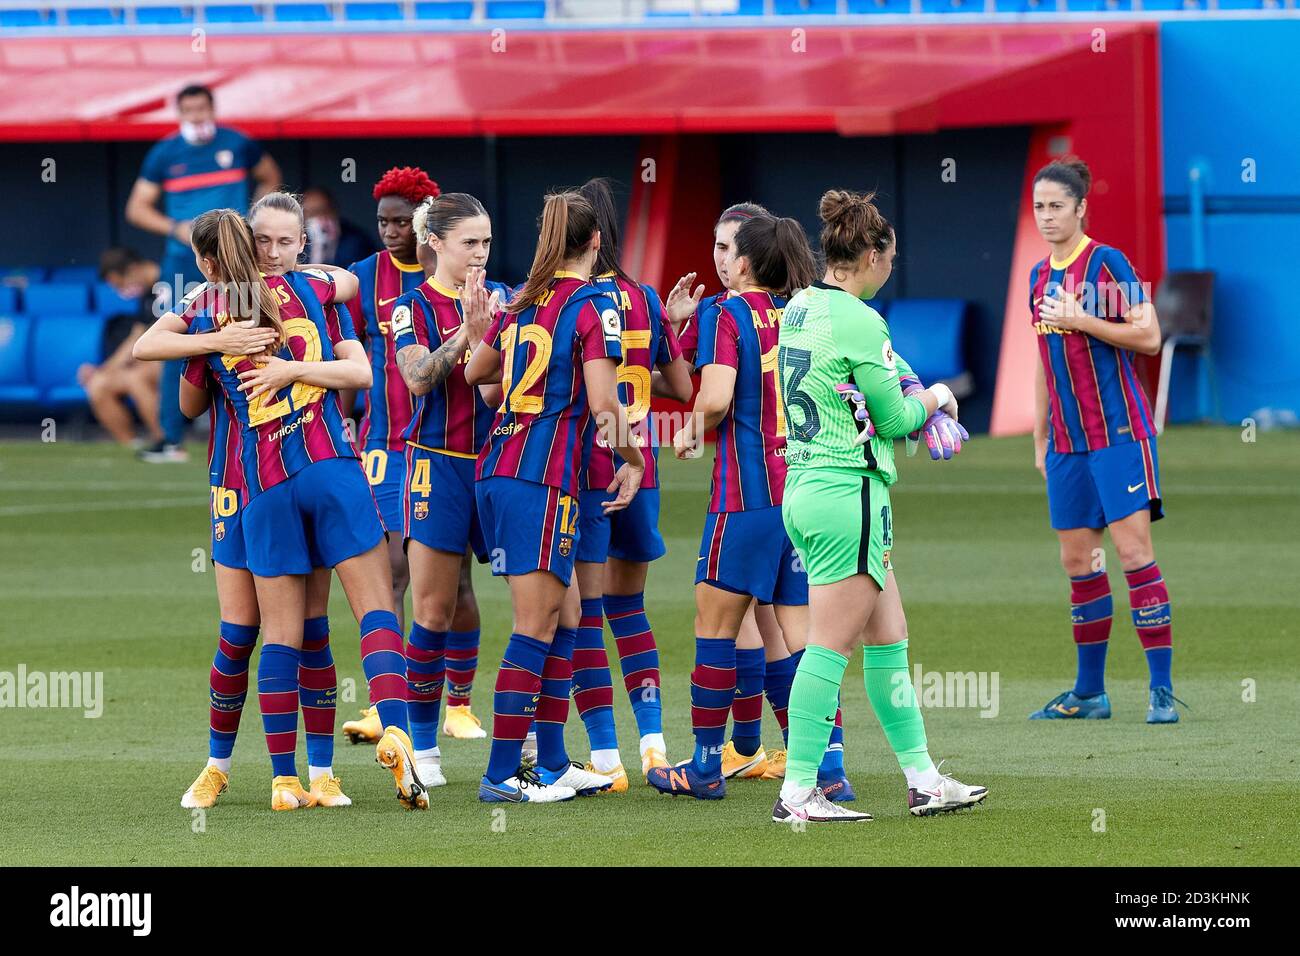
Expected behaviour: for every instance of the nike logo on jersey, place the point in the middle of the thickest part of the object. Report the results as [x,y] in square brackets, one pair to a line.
[388,301]
[1133,488]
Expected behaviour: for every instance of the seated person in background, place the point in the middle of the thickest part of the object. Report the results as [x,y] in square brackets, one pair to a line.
[119,377]
[330,239]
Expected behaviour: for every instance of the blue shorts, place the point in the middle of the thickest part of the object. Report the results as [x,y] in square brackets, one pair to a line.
[440,509]
[227,531]
[629,535]
[749,552]
[1092,489]
[528,527]
[317,518]
[386,472]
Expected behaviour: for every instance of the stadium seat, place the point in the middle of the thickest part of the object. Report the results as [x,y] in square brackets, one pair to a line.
[1026,6]
[16,385]
[239,14]
[8,299]
[1098,6]
[804,7]
[928,333]
[516,9]
[444,10]
[160,16]
[85,275]
[952,6]
[93,16]
[48,298]
[23,275]
[64,343]
[22,18]
[880,6]
[372,11]
[1162,5]
[302,13]
[105,300]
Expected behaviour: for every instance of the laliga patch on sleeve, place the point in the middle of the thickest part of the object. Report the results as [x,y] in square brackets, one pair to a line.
[401,320]
[610,321]
[320,274]
[887,356]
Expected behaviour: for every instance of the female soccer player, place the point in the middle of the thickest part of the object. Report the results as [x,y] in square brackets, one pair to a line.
[308,504]
[556,351]
[744,553]
[615,550]
[1095,442]
[837,511]
[433,335]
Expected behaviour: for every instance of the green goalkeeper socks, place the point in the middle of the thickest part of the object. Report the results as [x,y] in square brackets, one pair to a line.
[889,688]
[814,698]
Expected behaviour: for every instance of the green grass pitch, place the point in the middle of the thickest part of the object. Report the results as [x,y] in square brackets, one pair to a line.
[96,574]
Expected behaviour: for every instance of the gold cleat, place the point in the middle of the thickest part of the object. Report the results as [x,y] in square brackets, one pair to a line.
[367,730]
[652,758]
[395,754]
[618,775]
[328,792]
[207,786]
[775,766]
[462,724]
[743,768]
[287,794]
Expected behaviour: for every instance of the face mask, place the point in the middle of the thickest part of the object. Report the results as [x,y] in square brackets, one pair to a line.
[198,133]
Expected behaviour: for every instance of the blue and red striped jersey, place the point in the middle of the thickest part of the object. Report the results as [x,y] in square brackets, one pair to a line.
[223,435]
[389,402]
[1094,397]
[648,341]
[749,460]
[688,338]
[283,432]
[538,432]
[452,417]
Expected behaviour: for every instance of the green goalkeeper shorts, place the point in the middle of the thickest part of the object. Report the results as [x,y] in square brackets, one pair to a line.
[840,523]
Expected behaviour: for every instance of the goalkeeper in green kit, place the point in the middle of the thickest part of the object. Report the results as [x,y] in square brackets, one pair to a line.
[840,380]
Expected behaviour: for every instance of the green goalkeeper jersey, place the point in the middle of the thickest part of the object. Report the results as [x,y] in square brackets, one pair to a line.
[829,337]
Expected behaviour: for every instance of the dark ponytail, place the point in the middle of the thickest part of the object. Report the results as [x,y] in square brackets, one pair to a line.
[739,212]
[851,225]
[566,226]
[224,236]
[778,253]
[600,193]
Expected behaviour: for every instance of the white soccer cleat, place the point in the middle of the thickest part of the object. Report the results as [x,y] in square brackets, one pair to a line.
[577,778]
[430,773]
[949,795]
[814,808]
[524,787]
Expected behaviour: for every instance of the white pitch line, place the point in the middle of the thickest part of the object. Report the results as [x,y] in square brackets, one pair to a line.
[8,511]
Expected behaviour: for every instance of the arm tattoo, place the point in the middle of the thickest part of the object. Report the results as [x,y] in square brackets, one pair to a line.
[432,368]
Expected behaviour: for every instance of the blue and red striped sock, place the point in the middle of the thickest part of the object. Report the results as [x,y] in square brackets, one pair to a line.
[1149,599]
[638,658]
[462,663]
[713,685]
[385,667]
[519,685]
[747,706]
[833,758]
[277,696]
[593,690]
[425,673]
[777,680]
[228,686]
[553,707]
[1090,616]
[318,691]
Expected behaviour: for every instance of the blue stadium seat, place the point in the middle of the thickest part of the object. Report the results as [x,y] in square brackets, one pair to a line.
[804,7]
[86,275]
[16,385]
[8,299]
[1025,6]
[516,9]
[1249,4]
[372,11]
[105,300]
[952,6]
[303,13]
[443,10]
[928,333]
[239,14]
[159,16]
[880,6]
[94,17]
[1162,5]
[22,18]
[49,298]
[744,8]
[23,275]
[64,343]
[1094,6]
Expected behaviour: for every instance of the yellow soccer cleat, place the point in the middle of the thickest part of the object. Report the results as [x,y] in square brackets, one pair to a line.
[395,754]
[652,758]
[328,792]
[287,794]
[775,766]
[744,768]
[462,724]
[618,775]
[367,730]
[207,786]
